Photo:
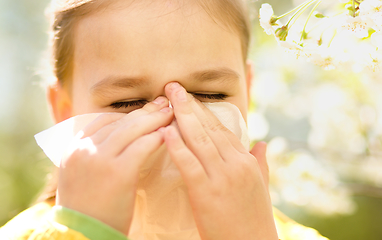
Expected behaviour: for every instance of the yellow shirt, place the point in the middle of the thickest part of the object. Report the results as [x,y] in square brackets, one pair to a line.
[40,223]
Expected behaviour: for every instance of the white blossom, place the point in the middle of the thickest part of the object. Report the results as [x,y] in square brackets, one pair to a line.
[266,15]
[338,40]
[290,45]
[376,39]
[311,46]
[372,9]
[359,26]
[377,22]
[362,57]
[369,7]
[324,57]
[375,62]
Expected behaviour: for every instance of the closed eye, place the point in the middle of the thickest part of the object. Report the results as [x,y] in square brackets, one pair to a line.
[136,103]
[142,102]
[215,96]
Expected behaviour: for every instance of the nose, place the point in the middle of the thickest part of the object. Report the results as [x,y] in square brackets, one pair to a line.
[167,89]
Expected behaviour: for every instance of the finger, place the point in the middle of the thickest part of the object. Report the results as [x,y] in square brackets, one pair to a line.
[141,149]
[215,130]
[125,134]
[232,138]
[104,131]
[259,152]
[98,123]
[190,168]
[225,141]
[191,129]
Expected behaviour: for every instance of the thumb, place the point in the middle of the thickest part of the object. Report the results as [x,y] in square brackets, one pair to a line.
[259,152]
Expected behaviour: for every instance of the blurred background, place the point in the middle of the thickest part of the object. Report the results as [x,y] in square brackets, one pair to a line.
[324,128]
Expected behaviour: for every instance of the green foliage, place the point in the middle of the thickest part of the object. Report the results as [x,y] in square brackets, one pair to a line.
[319,15]
[23,113]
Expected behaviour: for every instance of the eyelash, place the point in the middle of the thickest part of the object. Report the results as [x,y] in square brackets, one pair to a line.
[142,102]
[218,96]
[137,103]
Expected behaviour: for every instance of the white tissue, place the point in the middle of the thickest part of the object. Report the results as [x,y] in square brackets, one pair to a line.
[55,140]
[162,210]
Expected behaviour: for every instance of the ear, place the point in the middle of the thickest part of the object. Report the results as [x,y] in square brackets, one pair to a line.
[60,102]
[249,78]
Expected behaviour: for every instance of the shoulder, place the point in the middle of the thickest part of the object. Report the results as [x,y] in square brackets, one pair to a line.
[290,230]
[44,222]
[35,224]
[26,222]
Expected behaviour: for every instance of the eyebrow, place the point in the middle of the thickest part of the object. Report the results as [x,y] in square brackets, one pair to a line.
[115,82]
[222,75]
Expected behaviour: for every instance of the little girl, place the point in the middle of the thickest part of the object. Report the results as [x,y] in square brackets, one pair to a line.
[129,59]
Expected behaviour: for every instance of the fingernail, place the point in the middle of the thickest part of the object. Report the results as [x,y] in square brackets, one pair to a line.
[174,85]
[165,110]
[159,100]
[161,129]
[181,95]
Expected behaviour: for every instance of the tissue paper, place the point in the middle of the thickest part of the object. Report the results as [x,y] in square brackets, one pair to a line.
[55,140]
[162,209]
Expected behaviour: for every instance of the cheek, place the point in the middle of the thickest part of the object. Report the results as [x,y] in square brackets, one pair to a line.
[82,103]
[243,107]
[244,100]
[241,101]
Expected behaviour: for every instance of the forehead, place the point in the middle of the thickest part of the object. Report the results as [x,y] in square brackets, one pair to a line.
[165,39]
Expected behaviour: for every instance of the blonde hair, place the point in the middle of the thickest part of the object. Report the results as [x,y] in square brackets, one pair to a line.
[65,13]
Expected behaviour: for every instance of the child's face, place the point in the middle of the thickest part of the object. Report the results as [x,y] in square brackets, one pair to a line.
[125,55]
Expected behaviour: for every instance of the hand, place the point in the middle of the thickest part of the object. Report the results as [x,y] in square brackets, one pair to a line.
[227,191]
[259,152]
[99,175]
